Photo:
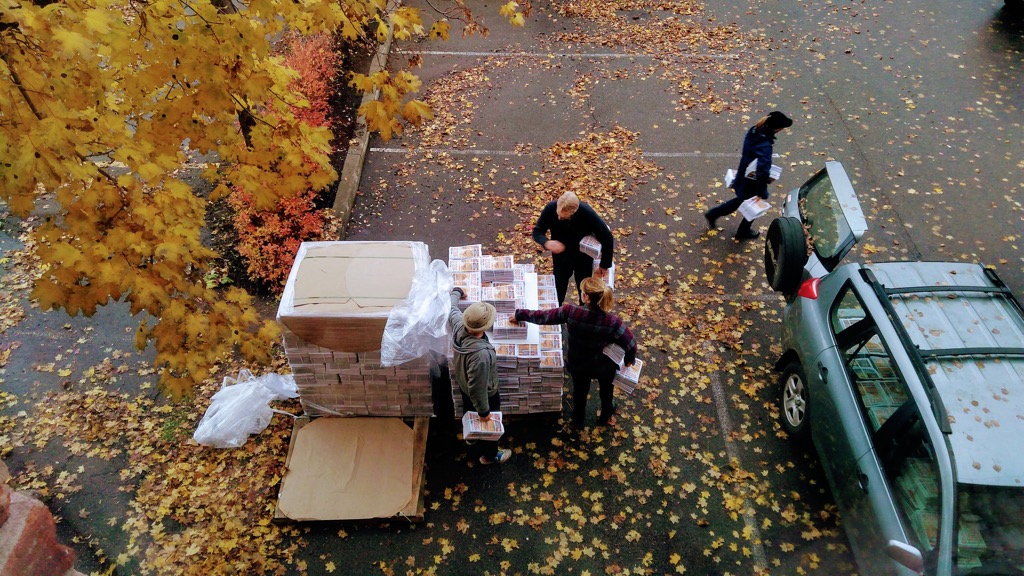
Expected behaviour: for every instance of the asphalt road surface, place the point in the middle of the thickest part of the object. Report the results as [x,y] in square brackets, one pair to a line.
[641,107]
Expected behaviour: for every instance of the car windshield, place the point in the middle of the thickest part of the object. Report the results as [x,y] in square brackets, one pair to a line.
[990,539]
[823,214]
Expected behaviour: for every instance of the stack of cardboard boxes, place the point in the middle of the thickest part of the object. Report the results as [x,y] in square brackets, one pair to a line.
[334,310]
[530,364]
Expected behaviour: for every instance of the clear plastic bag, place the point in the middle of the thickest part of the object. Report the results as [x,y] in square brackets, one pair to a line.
[418,325]
[282,385]
[242,407]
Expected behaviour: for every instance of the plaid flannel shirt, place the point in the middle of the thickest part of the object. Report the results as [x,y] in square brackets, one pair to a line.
[590,330]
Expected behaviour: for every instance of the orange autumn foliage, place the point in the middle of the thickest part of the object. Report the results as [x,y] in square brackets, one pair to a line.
[268,239]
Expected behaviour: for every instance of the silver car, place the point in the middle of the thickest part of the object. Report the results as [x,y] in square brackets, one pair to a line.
[909,379]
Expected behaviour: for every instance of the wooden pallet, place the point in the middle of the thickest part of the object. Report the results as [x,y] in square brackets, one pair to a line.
[414,510]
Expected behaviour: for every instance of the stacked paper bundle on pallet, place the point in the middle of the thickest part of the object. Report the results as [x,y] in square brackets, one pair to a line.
[466,273]
[335,383]
[504,329]
[464,263]
[504,297]
[334,309]
[520,271]
[497,270]
[529,367]
[547,294]
[461,252]
[628,377]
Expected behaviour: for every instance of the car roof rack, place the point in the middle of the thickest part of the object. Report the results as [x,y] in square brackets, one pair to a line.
[917,356]
[935,400]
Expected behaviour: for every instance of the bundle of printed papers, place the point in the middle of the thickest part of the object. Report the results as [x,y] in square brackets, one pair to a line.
[473,428]
[774,172]
[627,377]
[591,246]
[754,207]
[610,279]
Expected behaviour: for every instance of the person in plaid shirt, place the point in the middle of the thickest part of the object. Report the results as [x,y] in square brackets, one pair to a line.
[591,327]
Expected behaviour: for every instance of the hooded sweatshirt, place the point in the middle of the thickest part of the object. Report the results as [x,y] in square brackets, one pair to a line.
[475,363]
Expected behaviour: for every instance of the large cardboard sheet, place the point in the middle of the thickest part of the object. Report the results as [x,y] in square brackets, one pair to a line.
[348,469]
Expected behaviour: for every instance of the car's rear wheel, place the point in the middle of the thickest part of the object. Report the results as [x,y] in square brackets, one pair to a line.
[785,254]
[794,401]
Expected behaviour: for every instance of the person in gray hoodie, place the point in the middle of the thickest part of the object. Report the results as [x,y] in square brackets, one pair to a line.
[475,367]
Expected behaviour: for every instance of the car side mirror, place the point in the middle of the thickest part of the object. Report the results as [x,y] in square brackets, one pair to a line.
[905,554]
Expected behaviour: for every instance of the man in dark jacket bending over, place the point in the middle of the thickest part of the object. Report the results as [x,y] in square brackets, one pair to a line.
[569,221]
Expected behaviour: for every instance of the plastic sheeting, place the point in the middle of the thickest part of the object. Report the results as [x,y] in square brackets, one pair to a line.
[418,325]
[242,407]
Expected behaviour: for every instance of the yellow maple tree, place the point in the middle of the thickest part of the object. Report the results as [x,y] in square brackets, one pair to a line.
[101,101]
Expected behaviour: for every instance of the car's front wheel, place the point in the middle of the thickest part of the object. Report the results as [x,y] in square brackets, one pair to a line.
[793,401]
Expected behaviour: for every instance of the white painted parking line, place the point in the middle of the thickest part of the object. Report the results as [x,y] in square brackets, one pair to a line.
[726,428]
[479,152]
[594,55]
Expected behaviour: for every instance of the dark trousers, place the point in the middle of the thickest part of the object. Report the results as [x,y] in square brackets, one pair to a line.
[486,448]
[568,264]
[602,369]
[728,207]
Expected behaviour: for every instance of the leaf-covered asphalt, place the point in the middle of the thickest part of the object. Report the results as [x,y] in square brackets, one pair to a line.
[695,476]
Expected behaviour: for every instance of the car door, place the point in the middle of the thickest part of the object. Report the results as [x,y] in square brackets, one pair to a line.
[864,390]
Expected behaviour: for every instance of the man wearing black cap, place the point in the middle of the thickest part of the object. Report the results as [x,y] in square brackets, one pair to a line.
[757,145]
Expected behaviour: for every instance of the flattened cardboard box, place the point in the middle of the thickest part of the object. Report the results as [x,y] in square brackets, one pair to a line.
[339,294]
[353,468]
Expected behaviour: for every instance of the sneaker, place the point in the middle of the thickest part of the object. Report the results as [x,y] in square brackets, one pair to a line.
[711,221]
[501,457]
[748,235]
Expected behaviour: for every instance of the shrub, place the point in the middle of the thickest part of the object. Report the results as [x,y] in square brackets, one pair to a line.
[316,61]
[269,239]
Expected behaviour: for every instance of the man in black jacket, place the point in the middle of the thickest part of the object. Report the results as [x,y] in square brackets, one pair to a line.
[569,221]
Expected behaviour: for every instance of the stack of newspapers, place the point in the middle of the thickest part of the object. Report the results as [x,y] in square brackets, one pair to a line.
[628,377]
[530,361]
[473,428]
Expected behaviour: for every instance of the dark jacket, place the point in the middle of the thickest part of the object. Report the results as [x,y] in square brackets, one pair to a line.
[569,232]
[756,145]
[475,363]
[590,330]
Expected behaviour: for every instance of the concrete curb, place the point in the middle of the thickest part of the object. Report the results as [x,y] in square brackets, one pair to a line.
[352,170]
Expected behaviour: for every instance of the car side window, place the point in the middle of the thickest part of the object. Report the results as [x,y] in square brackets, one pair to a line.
[899,436]
[869,365]
[908,458]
